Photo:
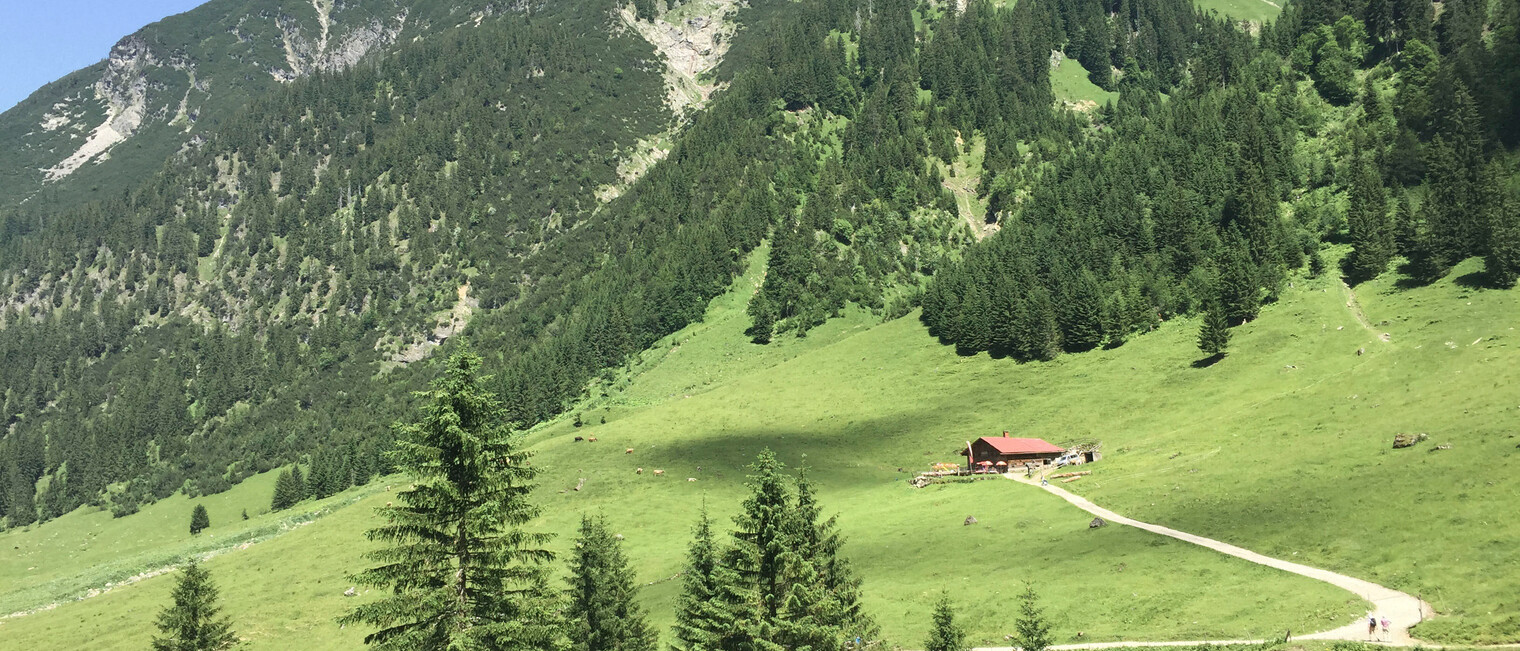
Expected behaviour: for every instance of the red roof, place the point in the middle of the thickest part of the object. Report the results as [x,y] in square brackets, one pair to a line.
[1008,445]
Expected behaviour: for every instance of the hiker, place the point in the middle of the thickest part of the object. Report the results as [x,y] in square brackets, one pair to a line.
[1044,481]
[1371,627]
[1385,624]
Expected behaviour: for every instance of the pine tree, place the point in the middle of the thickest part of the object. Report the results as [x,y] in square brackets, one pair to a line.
[1502,261]
[1081,314]
[298,484]
[761,546]
[1031,631]
[199,519]
[820,543]
[1372,241]
[790,588]
[603,614]
[703,617]
[459,568]
[945,635]
[191,623]
[1239,291]
[762,312]
[286,493]
[1214,336]
[1037,337]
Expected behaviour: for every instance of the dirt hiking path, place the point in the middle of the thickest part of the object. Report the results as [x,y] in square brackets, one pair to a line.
[1402,610]
[1355,307]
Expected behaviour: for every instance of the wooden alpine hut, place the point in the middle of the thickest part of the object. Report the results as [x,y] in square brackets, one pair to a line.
[1010,451]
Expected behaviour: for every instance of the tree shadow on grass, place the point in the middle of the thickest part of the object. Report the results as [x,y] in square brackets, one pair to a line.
[1207,361]
[1409,278]
[1475,280]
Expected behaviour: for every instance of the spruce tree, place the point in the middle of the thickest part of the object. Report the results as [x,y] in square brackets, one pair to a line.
[703,617]
[298,483]
[192,623]
[762,312]
[286,491]
[944,634]
[460,569]
[1502,261]
[1031,631]
[1037,337]
[761,545]
[790,588]
[199,519]
[1214,336]
[1372,241]
[1081,313]
[1239,290]
[603,614]
[820,543]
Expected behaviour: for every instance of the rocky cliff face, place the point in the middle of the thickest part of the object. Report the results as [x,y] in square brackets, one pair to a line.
[311,48]
[123,90]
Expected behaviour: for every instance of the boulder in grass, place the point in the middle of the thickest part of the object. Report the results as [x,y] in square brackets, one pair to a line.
[1096,522]
[970,520]
[1407,440]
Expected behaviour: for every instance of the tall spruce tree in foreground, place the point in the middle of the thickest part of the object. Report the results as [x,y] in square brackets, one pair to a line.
[945,635]
[191,623]
[603,613]
[704,619]
[199,519]
[821,543]
[789,587]
[1214,336]
[461,570]
[1031,631]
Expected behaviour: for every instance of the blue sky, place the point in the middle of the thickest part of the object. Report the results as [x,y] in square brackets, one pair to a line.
[42,40]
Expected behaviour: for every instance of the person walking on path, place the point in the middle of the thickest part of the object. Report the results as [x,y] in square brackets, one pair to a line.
[1371,628]
[1384,621]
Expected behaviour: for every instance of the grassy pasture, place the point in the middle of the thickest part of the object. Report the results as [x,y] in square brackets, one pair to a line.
[1254,11]
[1069,82]
[1284,449]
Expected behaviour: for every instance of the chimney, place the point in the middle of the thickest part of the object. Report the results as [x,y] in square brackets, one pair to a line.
[1005,433]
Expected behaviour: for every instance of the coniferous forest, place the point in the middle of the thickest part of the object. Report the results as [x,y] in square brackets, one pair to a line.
[270,294]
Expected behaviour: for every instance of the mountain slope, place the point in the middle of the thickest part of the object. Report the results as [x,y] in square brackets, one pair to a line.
[271,293]
[860,405]
[92,133]
[907,543]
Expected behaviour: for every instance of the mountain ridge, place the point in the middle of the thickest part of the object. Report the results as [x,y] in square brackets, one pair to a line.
[172,81]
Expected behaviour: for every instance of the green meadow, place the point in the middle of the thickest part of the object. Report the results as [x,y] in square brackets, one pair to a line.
[1069,83]
[1283,447]
[1254,11]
